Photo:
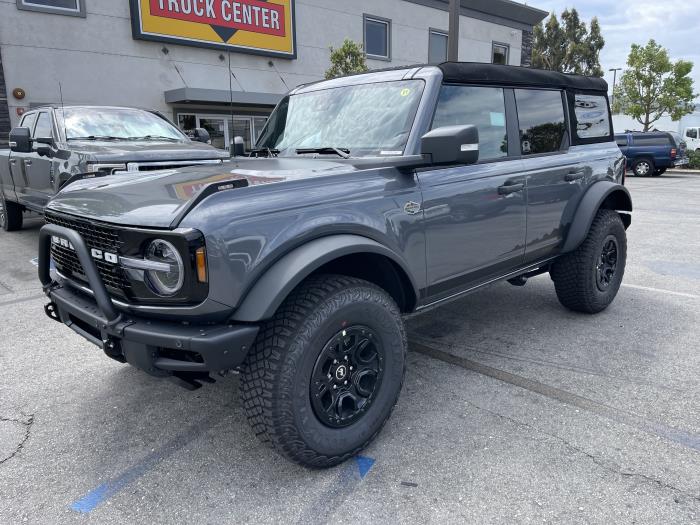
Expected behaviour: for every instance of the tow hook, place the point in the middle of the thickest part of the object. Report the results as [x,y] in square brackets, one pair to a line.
[51,311]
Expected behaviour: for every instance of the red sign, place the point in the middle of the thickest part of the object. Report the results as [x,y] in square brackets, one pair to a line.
[247,15]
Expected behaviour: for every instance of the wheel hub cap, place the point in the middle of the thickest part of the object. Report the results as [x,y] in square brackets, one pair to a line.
[607,264]
[347,376]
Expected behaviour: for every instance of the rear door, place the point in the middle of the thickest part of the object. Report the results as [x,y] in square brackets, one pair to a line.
[556,180]
[474,215]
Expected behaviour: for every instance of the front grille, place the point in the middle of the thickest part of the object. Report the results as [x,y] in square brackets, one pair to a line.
[98,236]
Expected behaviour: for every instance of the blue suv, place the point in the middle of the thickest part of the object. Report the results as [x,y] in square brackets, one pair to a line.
[651,153]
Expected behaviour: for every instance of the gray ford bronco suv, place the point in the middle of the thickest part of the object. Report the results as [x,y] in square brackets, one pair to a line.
[367,198]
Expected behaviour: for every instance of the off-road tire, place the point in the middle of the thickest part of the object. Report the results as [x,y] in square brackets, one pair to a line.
[276,376]
[643,167]
[575,274]
[10,215]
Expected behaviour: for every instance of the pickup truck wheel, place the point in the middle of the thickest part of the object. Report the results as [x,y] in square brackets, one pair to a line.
[10,215]
[643,167]
[325,373]
[588,279]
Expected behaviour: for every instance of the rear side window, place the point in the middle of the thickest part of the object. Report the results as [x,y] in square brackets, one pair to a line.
[592,116]
[692,133]
[483,107]
[43,126]
[541,120]
[621,140]
[651,140]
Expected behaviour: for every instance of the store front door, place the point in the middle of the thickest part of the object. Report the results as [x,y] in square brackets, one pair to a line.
[223,128]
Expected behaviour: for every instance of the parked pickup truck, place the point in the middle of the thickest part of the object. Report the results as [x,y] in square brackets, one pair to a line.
[55,145]
[652,153]
[372,196]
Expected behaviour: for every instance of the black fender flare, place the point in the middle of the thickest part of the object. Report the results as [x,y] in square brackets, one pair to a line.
[272,288]
[604,193]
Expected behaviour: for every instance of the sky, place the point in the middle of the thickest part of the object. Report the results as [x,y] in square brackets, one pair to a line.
[675,24]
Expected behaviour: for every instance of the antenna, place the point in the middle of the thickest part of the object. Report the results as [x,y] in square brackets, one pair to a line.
[63,111]
[231,146]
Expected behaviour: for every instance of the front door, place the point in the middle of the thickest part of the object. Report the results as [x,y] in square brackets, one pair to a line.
[475,216]
[40,172]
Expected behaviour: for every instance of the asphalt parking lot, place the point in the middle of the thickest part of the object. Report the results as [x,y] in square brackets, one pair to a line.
[513,410]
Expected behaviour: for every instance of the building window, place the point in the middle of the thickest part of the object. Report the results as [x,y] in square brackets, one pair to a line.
[377,37]
[500,53]
[437,47]
[59,7]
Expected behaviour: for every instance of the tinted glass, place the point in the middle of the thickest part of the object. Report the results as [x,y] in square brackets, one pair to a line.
[483,107]
[621,140]
[376,38]
[500,54]
[28,121]
[692,133]
[651,140]
[64,4]
[541,118]
[437,48]
[43,126]
[592,116]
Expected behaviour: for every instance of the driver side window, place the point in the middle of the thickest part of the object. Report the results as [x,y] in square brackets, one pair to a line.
[483,107]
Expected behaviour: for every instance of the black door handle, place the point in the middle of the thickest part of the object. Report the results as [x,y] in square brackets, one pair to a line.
[507,189]
[575,174]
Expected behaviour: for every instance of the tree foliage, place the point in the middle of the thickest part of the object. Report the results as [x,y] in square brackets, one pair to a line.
[654,86]
[347,59]
[569,47]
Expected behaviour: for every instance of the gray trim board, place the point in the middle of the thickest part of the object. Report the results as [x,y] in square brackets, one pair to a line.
[501,12]
[220,96]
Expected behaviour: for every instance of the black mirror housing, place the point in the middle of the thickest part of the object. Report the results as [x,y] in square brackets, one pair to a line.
[21,140]
[452,145]
[202,135]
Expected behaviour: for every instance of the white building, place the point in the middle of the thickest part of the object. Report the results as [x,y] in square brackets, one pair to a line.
[173,55]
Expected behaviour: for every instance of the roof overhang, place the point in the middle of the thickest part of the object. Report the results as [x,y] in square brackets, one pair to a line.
[504,12]
[220,96]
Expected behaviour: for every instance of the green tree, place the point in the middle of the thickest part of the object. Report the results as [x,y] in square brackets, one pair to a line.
[654,86]
[569,47]
[347,59]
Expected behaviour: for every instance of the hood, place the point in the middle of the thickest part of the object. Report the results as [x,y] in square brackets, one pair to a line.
[143,151]
[160,199]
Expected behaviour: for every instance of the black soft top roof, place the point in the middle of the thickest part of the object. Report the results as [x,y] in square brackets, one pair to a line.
[480,73]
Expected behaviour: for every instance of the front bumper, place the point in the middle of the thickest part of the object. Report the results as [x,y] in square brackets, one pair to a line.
[160,348]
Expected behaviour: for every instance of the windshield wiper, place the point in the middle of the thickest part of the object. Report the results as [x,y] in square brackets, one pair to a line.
[264,152]
[97,137]
[154,137]
[341,152]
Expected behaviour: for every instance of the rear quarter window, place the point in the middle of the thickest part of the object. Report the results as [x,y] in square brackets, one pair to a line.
[651,140]
[592,116]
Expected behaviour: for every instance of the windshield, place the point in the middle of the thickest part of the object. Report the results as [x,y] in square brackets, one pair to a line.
[364,120]
[117,123]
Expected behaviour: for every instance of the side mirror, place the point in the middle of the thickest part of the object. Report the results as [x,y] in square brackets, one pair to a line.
[47,150]
[452,145]
[238,147]
[21,140]
[202,135]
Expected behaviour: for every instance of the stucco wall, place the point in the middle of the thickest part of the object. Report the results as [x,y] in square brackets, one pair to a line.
[98,62]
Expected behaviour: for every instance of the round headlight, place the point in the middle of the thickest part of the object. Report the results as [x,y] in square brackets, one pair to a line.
[165,282]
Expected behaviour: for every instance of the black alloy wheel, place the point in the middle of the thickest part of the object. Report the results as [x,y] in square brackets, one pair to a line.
[607,263]
[347,375]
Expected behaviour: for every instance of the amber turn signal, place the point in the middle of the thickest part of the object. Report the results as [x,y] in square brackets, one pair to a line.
[201,260]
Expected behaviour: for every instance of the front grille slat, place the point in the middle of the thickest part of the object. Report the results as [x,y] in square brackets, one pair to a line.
[97,236]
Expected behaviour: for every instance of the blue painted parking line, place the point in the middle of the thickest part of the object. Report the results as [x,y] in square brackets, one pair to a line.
[109,488]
